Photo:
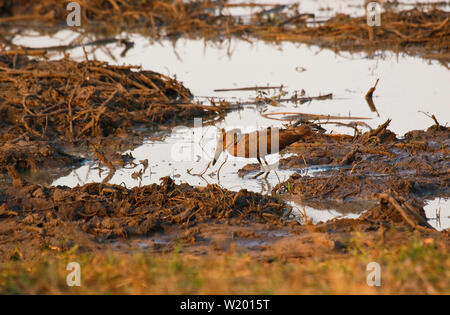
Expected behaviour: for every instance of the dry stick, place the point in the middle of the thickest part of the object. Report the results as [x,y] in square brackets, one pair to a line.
[414,211]
[278,178]
[311,116]
[204,171]
[302,16]
[25,18]
[151,83]
[293,99]
[43,50]
[29,129]
[218,171]
[372,89]
[84,52]
[250,88]
[374,133]
[70,112]
[115,5]
[434,118]
[352,125]
[44,131]
[188,171]
[436,121]
[25,107]
[27,110]
[349,158]
[117,76]
[25,52]
[369,99]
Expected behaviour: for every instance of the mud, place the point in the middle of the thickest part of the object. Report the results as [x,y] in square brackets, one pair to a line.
[96,217]
[417,31]
[363,166]
[33,156]
[33,214]
[48,107]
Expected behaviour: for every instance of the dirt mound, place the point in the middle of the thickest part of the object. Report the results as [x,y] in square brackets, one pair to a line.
[65,102]
[394,209]
[71,101]
[39,214]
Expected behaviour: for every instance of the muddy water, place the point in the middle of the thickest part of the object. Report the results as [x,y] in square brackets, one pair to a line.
[407,85]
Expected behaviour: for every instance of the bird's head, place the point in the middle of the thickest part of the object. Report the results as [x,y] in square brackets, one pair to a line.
[224,140]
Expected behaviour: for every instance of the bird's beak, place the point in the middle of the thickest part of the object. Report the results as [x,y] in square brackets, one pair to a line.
[219,147]
[217,153]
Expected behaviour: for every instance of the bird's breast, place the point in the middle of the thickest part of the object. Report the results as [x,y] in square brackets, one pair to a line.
[255,144]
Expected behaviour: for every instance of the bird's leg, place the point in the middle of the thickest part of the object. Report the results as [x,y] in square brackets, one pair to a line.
[257,175]
[268,167]
[260,173]
[274,170]
[269,187]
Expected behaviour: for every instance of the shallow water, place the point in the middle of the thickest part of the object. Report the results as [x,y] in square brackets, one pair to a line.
[407,85]
[322,9]
[302,213]
[437,212]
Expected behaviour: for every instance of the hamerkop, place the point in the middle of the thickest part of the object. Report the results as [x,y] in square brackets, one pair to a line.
[258,144]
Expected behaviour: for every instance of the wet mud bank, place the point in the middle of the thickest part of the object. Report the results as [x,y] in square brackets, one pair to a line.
[98,217]
[36,216]
[363,166]
[48,108]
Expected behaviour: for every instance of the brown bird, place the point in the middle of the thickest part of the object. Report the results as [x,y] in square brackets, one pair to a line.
[258,144]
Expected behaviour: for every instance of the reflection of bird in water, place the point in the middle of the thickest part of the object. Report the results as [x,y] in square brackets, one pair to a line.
[258,144]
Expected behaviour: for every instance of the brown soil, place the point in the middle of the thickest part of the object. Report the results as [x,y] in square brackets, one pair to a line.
[34,215]
[417,31]
[100,216]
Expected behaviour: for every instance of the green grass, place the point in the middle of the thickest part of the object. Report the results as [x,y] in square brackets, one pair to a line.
[419,267]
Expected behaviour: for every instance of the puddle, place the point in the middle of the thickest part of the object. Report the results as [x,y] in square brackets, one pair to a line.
[322,9]
[437,212]
[407,85]
[324,213]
